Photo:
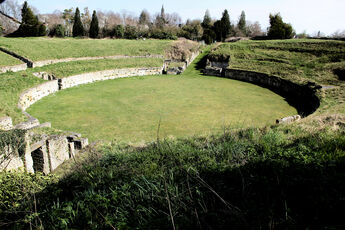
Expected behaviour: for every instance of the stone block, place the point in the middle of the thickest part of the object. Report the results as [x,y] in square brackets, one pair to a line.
[58,151]
[6,123]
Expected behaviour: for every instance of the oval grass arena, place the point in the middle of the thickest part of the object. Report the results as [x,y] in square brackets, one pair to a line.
[131,109]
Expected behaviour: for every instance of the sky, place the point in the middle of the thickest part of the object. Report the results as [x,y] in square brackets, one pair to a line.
[310,16]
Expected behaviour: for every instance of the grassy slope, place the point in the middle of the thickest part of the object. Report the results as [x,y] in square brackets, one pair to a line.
[296,60]
[130,109]
[11,86]
[53,48]
[7,60]
[61,70]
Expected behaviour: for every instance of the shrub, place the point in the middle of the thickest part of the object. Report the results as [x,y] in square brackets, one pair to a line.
[57,31]
[118,31]
[130,32]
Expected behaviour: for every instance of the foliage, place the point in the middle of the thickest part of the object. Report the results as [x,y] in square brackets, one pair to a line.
[278,29]
[207,22]
[241,25]
[30,26]
[94,28]
[119,31]
[57,31]
[280,178]
[192,31]
[130,32]
[226,25]
[78,28]
[144,18]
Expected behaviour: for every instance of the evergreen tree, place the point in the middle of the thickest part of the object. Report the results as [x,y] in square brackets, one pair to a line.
[78,28]
[119,31]
[206,23]
[278,29]
[241,25]
[225,25]
[218,29]
[30,26]
[94,27]
[144,18]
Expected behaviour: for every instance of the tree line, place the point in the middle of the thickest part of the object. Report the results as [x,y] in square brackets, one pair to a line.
[162,25]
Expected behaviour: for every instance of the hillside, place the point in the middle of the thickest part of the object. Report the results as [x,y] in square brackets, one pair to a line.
[286,176]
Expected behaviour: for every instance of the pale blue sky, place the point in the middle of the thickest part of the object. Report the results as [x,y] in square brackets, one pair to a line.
[310,15]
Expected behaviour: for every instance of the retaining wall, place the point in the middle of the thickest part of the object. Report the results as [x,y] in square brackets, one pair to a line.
[303,97]
[54,61]
[15,68]
[34,94]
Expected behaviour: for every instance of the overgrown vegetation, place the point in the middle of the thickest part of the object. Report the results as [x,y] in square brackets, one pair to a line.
[297,60]
[271,178]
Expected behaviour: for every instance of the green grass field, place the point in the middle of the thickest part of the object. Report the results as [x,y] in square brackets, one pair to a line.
[130,110]
[296,60]
[7,60]
[54,48]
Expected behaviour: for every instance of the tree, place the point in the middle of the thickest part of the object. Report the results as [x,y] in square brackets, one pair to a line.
[57,31]
[78,28]
[161,20]
[225,25]
[144,18]
[10,13]
[30,26]
[94,28]
[241,25]
[207,22]
[217,28]
[278,29]
[119,31]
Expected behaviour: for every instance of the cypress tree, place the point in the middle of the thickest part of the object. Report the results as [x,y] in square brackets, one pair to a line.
[206,23]
[94,28]
[225,24]
[78,28]
[241,25]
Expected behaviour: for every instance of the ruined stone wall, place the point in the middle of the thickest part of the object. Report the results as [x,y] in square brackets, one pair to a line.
[15,68]
[6,123]
[34,94]
[49,62]
[72,81]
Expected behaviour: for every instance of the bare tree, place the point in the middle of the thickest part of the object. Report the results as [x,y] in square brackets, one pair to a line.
[11,21]
[338,34]
[254,29]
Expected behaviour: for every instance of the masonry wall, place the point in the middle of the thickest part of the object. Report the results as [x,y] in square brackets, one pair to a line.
[34,94]
[302,97]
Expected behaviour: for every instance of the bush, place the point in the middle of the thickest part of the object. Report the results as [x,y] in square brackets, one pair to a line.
[57,31]
[118,31]
[130,32]
[278,29]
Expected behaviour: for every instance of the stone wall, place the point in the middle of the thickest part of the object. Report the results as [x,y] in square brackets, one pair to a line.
[72,81]
[49,62]
[6,123]
[34,94]
[303,97]
[15,68]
